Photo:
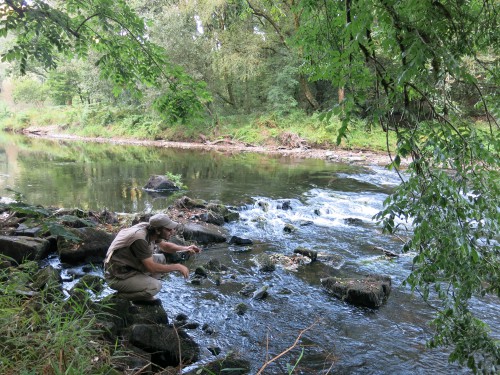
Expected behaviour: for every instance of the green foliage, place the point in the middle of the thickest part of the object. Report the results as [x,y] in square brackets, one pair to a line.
[28,210]
[451,201]
[4,111]
[44,217]
[128,121]
[237,48]
[108,29]
[53,115]
[62,86]
[178,104]
[109,121]
[94,116]
[415,69]
[61,116]
[30,91]
[176,179]
[281,94]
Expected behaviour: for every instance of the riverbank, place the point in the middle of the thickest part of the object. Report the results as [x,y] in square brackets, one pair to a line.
[332,153]
[75,309]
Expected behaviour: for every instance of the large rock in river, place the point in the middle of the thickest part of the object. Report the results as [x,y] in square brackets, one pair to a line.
[204,233]
[160,183]
[22,248]
[93,245]
[370,291]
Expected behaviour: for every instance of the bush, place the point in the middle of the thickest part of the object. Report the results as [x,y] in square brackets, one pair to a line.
[29,91]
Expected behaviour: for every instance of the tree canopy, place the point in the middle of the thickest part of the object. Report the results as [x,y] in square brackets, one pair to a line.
[110,29]
[414,67]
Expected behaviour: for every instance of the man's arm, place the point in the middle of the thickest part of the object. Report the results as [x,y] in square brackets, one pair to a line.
[170,248]
[153,267]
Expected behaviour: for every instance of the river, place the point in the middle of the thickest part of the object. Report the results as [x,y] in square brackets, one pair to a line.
[332,205]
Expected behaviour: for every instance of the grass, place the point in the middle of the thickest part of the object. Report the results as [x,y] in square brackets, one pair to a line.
[44,334]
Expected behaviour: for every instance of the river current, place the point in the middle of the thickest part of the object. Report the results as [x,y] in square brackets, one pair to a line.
[331,210]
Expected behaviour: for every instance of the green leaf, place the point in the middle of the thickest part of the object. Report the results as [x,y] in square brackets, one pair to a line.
[59,230]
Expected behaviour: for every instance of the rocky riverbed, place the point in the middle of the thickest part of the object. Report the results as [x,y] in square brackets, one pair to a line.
[154,340]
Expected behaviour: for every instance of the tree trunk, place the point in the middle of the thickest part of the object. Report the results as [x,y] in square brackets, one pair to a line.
[341,96]
[230,94]
[306,90]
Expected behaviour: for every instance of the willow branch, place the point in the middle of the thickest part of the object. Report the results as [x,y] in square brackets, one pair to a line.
[440,116]
[276,28]
[85,21]
[485,105]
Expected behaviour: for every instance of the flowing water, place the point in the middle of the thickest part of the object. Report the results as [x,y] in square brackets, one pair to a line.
[331,212]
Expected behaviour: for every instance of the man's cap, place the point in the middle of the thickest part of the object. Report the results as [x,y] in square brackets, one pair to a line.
[162,220]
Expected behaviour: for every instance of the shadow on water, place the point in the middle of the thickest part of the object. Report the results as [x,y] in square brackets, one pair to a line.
[331,209]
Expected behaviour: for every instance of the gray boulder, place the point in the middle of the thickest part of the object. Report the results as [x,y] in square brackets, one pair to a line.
[47,276]
[212,218]
[93,245]
[145,330]
[90,282]
[164,342]
[369,291]
[125,312]
[24,230]
[75,221]
[204,233]
[227,214]
[160,183]
[190,203]
[21,248]
[235,240]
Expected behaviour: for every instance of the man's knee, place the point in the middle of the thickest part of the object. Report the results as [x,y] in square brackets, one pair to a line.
[154,287]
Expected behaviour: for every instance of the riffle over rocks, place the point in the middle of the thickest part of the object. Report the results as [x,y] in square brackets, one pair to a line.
[151,339]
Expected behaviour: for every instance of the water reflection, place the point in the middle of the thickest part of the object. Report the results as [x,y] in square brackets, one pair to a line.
[97,176]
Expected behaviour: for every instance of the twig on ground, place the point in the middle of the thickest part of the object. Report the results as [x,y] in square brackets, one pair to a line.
[268,362]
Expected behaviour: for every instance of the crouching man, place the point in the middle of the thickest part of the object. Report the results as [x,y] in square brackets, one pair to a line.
[133,269]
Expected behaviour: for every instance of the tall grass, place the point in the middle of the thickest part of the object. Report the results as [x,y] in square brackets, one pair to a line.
[267,129]
[42,333]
